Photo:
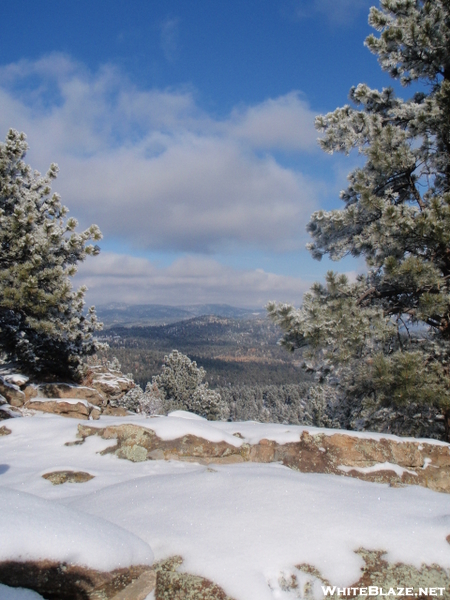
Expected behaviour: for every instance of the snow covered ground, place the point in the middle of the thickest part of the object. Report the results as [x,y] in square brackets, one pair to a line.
[240,525]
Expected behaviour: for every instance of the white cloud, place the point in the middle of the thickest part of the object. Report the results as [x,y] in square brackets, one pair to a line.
[285,122]
[189,280]
[341,12]
[169,38]
[154,170]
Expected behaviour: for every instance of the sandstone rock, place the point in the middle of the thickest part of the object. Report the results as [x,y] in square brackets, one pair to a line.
[30,391]
[11,392]
[139,589]
[112,385]
[67,390]
[62,581]
[67,408]
[59,477]
[384,460]
[183,586]
[171,585]
[138,443]
[4,414]
[17,379]
[9,412]
[115,411]
[380,573]
[100,387]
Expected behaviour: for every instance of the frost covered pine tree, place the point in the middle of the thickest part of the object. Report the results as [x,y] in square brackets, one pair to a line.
[384,341]
[42,326]
[181,386]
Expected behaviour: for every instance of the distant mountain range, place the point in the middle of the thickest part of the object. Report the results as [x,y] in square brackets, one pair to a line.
[159,314]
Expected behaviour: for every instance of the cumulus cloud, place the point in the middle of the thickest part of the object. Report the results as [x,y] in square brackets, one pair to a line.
[188,280]
[153,169]
[285,122]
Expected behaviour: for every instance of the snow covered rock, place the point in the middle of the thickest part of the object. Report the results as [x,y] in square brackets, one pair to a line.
[17,379]
[63,534]
[62,553]
[100,386]
[111,384]
[11,392]
[382,459]
[67,390]
[62,581]
[69,407]
[249,530]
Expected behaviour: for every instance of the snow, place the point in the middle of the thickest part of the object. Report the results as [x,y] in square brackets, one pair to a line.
[33,528]
[111,381]
[184,414]
[181,423]
[16,379]
[386,466]
[240,525]
[62,400]
[233,521]
[7,409]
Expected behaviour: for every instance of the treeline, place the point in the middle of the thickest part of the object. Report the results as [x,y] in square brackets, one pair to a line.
[143,363]
[309,403]
[267,403]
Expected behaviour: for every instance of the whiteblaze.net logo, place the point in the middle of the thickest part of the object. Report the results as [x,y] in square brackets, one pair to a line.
[373,590]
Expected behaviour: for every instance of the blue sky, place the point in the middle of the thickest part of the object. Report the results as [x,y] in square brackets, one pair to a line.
[185,131]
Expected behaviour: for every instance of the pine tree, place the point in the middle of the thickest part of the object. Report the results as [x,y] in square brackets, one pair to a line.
[181,386]
[42,326]
[385,340]
[145,402]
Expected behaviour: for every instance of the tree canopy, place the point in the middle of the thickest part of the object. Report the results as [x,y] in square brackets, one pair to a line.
[42,325]
[182,388]
[385,338]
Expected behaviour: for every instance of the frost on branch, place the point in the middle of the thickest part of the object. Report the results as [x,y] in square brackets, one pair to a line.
[385,340]
[181,386]
[42,324]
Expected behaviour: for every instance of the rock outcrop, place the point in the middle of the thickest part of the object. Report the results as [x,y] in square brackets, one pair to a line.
[11,392]
[86,401]
[78,409]
[388,579]
[172,585]
[67,390]
[62,581]
[60,477]
[384,460]
[109,383]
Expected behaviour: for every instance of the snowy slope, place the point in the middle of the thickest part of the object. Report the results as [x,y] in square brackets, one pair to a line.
[239,525]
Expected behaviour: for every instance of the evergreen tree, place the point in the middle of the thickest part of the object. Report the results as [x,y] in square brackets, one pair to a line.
[146,402]
[385,340]
[181,386]
[42,326]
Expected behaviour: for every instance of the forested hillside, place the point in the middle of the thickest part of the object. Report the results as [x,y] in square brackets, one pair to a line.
[256,378]
[232,351]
